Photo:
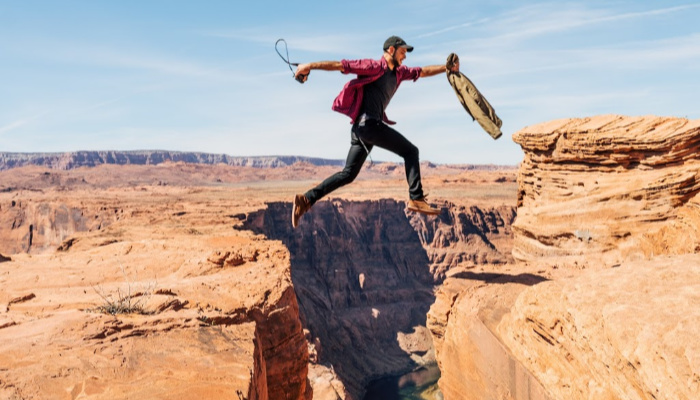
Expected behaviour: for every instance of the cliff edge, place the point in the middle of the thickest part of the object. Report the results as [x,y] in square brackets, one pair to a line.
[144,292]
[612,186]
[603,301]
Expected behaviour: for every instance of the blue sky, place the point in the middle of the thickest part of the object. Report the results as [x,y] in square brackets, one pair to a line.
[204,76]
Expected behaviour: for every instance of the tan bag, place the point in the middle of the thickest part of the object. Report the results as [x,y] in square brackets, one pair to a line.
[472,100]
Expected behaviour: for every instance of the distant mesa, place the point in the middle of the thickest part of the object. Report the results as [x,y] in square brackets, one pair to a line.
[76,159]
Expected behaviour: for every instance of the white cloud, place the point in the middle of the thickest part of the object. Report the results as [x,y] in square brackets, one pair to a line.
[307,42]
[481,21]
[84,53]
[510,29]
[13,125]
[20,123]
[677,51]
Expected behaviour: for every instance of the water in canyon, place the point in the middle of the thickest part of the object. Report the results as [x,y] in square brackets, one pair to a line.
[417,385]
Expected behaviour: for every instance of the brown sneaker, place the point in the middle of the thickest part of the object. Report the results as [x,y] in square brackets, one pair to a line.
[301,206]
[422,206]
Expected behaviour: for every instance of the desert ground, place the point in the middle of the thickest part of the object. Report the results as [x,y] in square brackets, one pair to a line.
[170,241]
[573,276]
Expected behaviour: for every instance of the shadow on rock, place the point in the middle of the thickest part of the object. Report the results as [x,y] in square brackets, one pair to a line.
[489,277]
[362,278]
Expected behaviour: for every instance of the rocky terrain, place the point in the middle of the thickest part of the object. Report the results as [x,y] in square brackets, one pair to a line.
[364,273]
[574,277]
[230,301]
[603,301]
[614,186]
[169,259]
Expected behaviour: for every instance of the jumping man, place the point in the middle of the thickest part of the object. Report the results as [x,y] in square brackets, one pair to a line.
[364,99]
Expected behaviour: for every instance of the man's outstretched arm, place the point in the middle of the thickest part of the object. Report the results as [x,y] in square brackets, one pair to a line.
[433,70]
[304,69]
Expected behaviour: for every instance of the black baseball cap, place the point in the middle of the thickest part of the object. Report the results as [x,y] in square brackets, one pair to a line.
[397,42]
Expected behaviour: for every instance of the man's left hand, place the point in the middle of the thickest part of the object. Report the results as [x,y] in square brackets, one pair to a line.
[452,64]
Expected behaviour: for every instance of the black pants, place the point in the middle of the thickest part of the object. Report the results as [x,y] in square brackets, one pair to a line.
[372,132]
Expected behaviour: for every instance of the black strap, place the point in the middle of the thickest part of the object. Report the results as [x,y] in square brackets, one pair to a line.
[301,78]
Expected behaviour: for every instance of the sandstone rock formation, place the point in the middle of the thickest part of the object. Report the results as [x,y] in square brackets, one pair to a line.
[364,274]
[202,329]
[620,187]
[474,362]
[221,301]
[78,159]
[603,301]
[620,333]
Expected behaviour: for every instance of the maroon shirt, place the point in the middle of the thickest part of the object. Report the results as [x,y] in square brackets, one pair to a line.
[349,101]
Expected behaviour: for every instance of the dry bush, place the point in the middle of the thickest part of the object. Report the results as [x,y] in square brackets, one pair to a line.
[124,301]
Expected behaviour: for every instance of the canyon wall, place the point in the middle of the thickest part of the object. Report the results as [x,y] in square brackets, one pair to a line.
[628,332]
[610,186]
[365,272]
[613,199]
[77,159]
[604,299]
[28,226]
[239,311]
[206,311]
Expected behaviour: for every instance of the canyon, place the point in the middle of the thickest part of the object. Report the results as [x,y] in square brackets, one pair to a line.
[231,300]
[573,276]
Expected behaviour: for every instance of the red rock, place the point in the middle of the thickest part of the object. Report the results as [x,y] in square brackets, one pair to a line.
[602,303]
[609,186]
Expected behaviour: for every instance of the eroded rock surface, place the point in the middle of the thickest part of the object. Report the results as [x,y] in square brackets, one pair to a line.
[613,186]
[222,317]
[198,328]
[620,333]
[365,272]
[603,301]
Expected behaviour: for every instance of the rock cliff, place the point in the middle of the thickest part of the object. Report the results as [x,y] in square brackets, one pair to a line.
[77,159]
[223,310]
[365,272]
[620,333]
[38,226]
[603,301]
[611,186]
[146,293]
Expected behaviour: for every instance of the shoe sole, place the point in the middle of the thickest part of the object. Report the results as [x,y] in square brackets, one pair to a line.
[294,212]
[436,212]
[296,205]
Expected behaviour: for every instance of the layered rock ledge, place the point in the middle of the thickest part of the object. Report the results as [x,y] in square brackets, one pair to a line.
[613,186]
[365,273]
[603,300]
[206,312]
[224,286]
[621,333]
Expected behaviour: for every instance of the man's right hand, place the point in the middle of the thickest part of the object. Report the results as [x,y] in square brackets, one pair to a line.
[302,73]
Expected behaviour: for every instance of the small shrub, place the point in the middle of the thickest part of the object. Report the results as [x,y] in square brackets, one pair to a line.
[124,302]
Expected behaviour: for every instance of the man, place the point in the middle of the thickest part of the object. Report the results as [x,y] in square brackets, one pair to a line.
[364,100]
